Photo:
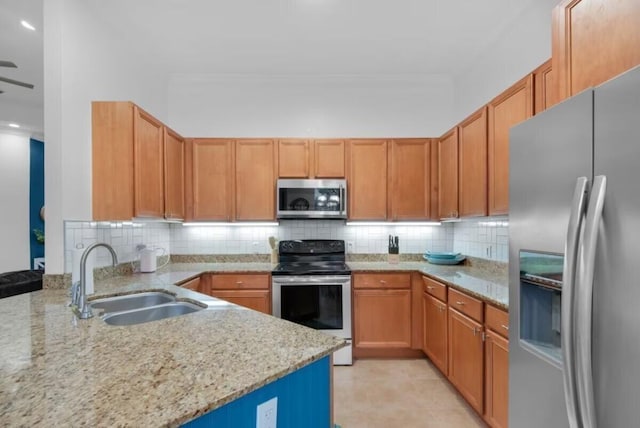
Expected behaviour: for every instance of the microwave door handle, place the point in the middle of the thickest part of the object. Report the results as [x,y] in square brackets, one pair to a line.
[578,207]
[341,199]
[585,270]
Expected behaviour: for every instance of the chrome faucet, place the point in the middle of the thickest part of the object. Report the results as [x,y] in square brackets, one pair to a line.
[79,289]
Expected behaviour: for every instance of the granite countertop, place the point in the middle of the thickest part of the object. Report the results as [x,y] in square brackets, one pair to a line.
[492,287]
[57,371]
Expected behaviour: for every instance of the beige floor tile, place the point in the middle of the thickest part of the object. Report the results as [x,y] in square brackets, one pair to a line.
[398,393]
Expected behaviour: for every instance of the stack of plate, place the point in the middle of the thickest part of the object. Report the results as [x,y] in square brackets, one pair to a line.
[443,258]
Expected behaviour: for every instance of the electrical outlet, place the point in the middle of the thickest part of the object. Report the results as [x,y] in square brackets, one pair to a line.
[140,247]
[267,414]
[255,247]
[349,246]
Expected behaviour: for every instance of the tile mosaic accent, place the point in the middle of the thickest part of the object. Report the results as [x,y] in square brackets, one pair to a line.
[485,238]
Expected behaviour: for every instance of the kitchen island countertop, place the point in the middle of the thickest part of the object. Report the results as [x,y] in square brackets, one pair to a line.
[59,371]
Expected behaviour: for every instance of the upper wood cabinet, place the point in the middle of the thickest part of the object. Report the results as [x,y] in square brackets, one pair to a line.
[294,158]
[472,198]
[594,41]
[256,169]
[129,162]
[310,158]
[367,179]
[210,189]
[448,175]
[544,87]
[174,169]
[328,158]
[148,160]
[509,108]
[410,179]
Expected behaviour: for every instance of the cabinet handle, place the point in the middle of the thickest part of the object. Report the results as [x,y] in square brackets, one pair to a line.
[505,327]
[382,281]
[455,213]
[476,330]
[430,287]
[239,282]
[441,308]
[460,303]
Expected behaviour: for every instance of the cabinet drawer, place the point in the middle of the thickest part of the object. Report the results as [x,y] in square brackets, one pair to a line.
[240,282]
[382,280]
[434,288]
[192,284]
[497,320]
[466,304]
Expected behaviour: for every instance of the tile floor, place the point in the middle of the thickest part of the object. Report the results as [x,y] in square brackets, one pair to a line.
[398,394]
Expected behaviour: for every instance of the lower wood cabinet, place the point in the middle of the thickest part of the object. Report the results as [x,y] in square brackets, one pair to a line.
[192,284]
[249,290]
[382,313]
[466,357]
[496,380]
[434,315]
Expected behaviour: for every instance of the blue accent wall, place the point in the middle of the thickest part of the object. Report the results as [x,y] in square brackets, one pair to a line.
[303,401]
[36,196]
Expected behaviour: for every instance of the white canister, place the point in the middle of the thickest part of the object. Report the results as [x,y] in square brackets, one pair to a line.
[148,259]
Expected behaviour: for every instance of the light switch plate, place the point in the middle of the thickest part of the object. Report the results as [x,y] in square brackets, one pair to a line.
[267,416]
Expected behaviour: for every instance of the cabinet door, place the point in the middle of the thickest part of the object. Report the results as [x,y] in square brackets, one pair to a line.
[211,195]
[473,165]
[173,175]
[409,179]
[448,174]
[256,166]
[382,318]
[594,41]
[148,165]
[510,108]
[434,316]
[496,380]
[544,88]
[258,300]
[434,192]
[328,158]
[294,159]
[367,179]
[112,194]
[466,363]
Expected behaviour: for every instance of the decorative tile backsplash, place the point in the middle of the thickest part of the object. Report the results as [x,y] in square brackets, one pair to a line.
[359,239]
[487,238]
[122,236]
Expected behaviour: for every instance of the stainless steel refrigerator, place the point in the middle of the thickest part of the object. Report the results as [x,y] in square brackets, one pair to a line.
[574,262]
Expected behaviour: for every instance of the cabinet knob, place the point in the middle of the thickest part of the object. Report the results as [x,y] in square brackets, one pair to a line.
[505,327]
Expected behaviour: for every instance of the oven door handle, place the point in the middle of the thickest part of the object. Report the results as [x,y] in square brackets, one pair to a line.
[311,279]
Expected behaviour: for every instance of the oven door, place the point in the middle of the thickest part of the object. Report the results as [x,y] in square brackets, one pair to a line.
[312,199]
[319,302]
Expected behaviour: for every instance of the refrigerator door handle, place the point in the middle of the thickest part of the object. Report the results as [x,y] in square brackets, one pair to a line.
[584,299]
[578,208]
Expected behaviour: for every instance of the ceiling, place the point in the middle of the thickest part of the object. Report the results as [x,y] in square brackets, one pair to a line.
[272,36]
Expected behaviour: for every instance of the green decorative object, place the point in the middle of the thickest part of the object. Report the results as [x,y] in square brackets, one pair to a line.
[39,236]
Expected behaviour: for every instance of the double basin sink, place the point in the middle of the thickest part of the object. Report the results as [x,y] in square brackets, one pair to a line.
[138,308]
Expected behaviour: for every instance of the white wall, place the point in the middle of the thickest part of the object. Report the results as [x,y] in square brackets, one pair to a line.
[310,105]
[519,49]
[14,199]
[85,60]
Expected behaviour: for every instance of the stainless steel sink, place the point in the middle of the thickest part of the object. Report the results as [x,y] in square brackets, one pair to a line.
[153,313]
[131,301]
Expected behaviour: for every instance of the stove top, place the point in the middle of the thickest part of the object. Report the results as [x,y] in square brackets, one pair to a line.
[312,268]
[312,257]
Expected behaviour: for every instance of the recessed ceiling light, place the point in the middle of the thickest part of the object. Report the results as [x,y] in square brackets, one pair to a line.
[14,125]
[25,24]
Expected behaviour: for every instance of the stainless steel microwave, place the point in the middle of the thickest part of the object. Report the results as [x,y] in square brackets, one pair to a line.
[307,198]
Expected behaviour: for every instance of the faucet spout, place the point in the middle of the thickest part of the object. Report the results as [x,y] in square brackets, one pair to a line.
[82,308]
